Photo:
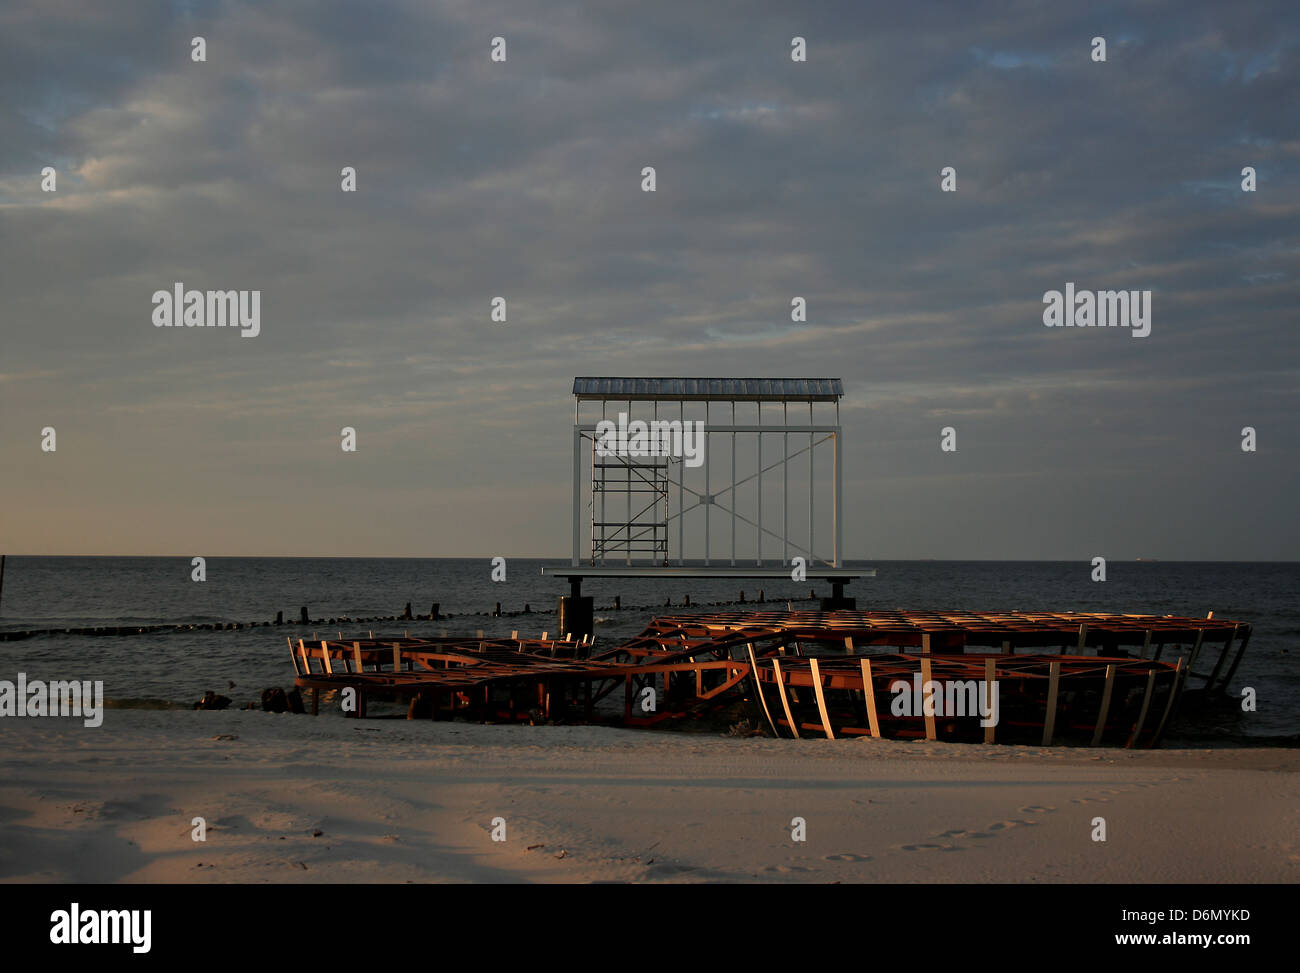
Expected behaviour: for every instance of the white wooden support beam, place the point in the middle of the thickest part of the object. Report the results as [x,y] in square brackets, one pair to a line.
[821,698]
[758,689]
[926,686]
[869,698]
[1146,703]
[1053,691]
[785,702]
[1105,704]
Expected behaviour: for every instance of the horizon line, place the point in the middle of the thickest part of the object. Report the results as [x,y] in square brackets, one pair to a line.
[745,564]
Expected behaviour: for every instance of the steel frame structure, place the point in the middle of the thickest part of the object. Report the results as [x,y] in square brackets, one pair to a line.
[831,674]
[608,538]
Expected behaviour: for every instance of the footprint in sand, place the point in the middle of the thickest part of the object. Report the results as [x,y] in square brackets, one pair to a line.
[1036,809]
[1003,825]
[928,847]
[847,857]
[786,868]
[990,831]
[1090,800]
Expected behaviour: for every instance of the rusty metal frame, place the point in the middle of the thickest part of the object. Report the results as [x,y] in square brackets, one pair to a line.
[818,664]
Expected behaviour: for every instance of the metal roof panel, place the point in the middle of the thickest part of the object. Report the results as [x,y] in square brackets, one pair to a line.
[699,389]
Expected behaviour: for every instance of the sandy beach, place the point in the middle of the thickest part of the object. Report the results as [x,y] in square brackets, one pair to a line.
[295,799]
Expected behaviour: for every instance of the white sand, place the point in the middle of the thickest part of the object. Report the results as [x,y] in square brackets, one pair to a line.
[398,801]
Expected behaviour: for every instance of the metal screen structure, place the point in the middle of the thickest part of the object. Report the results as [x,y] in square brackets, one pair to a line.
[650,502]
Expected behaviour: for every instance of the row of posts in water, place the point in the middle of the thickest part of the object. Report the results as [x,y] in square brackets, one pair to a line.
[304,619]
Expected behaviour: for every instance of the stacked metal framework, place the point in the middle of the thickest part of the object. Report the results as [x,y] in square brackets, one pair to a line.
[1114,679]
[640,527]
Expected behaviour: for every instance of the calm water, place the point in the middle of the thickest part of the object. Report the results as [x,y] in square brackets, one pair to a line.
[62,592]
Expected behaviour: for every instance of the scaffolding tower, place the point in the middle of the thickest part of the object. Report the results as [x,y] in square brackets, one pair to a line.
[638,507]
[653,496]
[643,531]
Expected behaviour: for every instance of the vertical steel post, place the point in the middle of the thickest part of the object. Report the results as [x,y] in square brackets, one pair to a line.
[577,489]
[708,494]
[681,491]
[758,531]
[604,484]
[654,485]
[785,485]
[838,521]
[811,483]
[627,473]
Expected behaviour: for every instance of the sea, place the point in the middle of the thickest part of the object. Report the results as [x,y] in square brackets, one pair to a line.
[172,669]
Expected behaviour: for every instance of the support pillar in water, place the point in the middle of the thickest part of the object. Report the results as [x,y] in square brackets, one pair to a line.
[576,612]
[837,601]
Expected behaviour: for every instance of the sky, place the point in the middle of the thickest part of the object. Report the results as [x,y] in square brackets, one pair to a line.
[522,178]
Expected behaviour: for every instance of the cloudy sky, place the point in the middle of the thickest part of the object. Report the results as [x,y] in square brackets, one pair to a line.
[523,179]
